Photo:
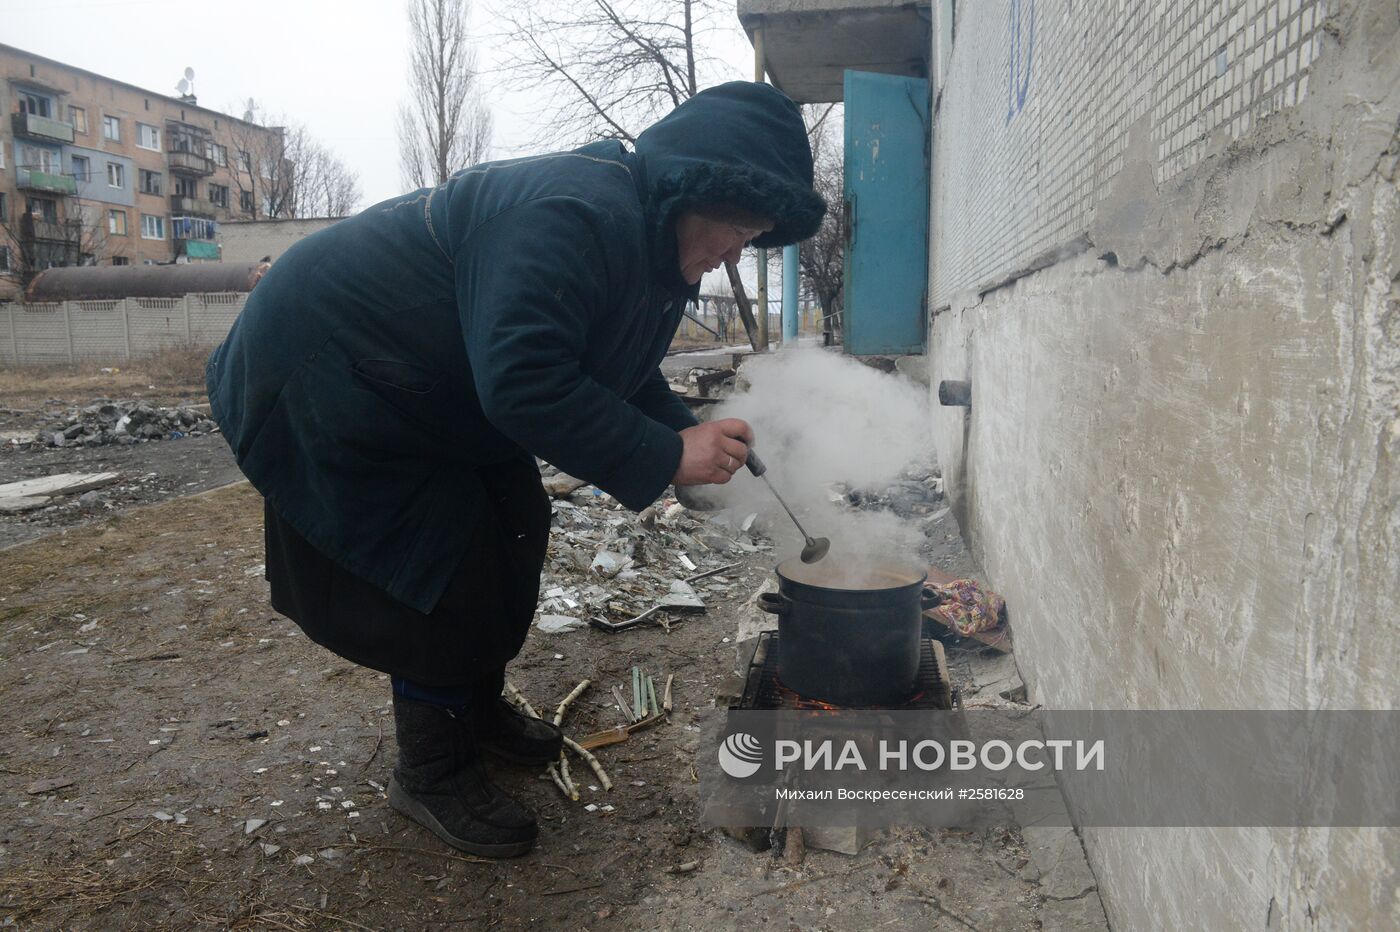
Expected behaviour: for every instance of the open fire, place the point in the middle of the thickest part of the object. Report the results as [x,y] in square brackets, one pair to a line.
[764,690]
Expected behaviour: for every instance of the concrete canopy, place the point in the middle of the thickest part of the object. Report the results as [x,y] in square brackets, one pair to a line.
[809,44]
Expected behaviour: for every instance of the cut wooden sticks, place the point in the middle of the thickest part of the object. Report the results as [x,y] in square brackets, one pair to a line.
[592,761]
[578,691]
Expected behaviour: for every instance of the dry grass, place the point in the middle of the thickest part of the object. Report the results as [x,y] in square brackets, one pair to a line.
[84,888]
[175,366]
[175,371]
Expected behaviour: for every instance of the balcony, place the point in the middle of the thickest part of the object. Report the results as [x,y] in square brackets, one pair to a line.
[197,249]
[63,231]
[200,207]
[190,163]
[37,127]
[32,180]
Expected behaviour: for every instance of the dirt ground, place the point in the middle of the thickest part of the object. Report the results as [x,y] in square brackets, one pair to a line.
[178,756]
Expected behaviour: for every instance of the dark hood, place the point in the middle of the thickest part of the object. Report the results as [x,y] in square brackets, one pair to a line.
[742,144]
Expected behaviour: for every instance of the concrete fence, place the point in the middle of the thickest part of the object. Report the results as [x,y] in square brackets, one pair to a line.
[115,330]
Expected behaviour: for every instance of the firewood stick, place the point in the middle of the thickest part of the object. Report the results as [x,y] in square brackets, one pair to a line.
[583,752]
[516,696]
[714,572]
[558,781]
[666,701]
[622,705]
[601,739]
[644,723]
[578,690]
[563,765]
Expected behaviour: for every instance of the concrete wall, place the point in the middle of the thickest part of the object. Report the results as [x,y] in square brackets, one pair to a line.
[1175,293]
[112,331]
[250,240]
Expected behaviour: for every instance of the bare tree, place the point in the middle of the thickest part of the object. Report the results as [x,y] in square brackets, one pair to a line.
[72,234]
[282,171]
[328,187]
[443,126]
[823,256]
[609,68]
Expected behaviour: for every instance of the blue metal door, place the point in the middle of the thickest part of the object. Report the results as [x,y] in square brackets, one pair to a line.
[886,205]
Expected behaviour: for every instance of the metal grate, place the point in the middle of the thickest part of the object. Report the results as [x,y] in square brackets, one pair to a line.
[763,689]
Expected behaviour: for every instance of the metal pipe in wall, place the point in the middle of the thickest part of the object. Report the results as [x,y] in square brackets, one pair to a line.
[790,310]
[761,299]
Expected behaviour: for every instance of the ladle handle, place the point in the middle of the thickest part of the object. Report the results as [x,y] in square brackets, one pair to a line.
[755,464]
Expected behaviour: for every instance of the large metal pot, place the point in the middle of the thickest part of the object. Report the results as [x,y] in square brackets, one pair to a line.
[848,633]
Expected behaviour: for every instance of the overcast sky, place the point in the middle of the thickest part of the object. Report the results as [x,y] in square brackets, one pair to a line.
[337,66]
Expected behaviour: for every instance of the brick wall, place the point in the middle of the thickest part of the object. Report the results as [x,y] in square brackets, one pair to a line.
[1043,99]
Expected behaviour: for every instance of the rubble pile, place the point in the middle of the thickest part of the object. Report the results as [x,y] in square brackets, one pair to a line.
[608,564]
[105,422]
[916,494]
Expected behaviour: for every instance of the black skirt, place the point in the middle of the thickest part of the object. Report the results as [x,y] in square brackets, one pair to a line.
[477,626]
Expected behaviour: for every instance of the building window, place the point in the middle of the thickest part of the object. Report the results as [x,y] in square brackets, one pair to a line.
[245,162]
[192,228]
[2,156]
[186,187]
[217,154]
[36,104]
[4,258]
[245,201]
[116,175]
[147,137]
[78,117]
[218,193]
[4,208]
[120,260]
[152,227]
[150,182]
[82,168]
[112,128]
[37,159]
[44,209]
[116,222]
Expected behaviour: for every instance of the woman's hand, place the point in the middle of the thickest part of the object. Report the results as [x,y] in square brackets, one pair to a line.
[713,452]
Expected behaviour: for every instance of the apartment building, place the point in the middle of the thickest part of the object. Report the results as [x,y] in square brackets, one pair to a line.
[95,171]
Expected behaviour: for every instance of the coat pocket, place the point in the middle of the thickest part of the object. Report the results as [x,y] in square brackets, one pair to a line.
[392,373]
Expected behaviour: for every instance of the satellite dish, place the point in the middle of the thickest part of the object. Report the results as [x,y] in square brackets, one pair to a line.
[183,86]
[189,74]
[248,110]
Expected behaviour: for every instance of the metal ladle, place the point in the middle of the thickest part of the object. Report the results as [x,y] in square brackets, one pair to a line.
[815,548]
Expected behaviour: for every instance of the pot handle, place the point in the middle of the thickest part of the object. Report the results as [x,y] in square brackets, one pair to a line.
[773,603]
[929,597]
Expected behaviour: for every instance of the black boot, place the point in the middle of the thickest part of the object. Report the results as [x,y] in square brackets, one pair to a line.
[507,732]
[439,783]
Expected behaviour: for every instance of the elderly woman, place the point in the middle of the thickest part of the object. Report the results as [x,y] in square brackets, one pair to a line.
[393,378]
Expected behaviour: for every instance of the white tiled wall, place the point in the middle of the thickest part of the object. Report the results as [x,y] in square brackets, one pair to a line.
[1035,114]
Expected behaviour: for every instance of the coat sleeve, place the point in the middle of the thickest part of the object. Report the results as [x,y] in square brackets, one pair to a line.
[530,284]
[656,400]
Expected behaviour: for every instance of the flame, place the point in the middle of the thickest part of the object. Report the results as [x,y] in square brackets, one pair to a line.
[789,698]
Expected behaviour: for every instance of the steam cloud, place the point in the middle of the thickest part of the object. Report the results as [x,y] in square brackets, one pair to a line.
[820,418]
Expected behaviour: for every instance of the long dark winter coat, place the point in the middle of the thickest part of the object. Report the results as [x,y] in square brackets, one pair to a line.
[522,306]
